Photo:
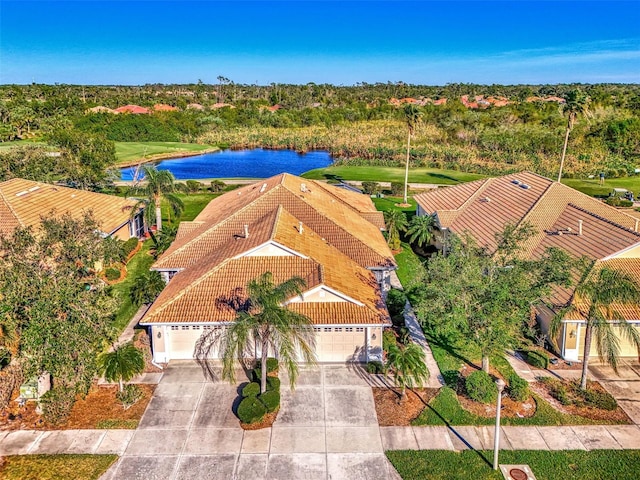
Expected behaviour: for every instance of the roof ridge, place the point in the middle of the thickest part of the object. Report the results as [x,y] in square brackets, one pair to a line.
[599,217]
[526,216]
[332,194]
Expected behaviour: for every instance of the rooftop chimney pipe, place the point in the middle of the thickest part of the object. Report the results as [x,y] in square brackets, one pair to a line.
[300,228]
[246,231]
[579,227]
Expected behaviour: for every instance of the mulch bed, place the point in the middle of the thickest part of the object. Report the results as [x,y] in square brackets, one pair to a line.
[610,416]
[99,405]
[266,422]
[391,414]
[142,342]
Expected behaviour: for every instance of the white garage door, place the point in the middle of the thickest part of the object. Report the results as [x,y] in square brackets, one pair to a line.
[340,344]
[182,341]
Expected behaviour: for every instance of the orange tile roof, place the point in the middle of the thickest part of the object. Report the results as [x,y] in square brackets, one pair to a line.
[23,202]
[161,107]
[136,109]
[327,214]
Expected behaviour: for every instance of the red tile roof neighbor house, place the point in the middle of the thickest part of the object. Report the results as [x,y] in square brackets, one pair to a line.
[288,226]
[561,217]
[135,109]
[161,107]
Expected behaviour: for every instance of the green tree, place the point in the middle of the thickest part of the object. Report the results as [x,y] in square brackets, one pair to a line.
[121,364]
[412,115]
[146,288]
[596,299]
[267,323]
[396,222]
[157,186]
[576,103]
[420,229]
[485,297]
[408,367]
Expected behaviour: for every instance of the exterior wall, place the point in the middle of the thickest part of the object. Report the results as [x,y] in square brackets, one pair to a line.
[383,277]
[631,253]
[158,343]
[123,233]
[572,346]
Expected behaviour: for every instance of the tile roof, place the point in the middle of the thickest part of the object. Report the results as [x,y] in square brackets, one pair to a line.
[320,263]
[315,204]
[24,202]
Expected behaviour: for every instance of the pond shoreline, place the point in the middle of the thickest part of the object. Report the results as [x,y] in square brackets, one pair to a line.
[164,156]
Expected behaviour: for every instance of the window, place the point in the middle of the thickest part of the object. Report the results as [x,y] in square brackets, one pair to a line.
[185,327]
[317,329]
[359,329]
[174,327]
[327,329]
[196,327]
[207,327]
[338,329]
[348,329]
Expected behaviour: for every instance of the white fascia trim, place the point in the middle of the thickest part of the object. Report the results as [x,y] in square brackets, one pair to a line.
[273,243]
[330,290]
[624,250]
[165,324]
[167,269]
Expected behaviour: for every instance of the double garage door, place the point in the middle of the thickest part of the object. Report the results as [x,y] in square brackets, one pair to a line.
[333,344]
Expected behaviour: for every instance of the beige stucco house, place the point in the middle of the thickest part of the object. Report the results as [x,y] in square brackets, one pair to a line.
[562,217]
[288,226]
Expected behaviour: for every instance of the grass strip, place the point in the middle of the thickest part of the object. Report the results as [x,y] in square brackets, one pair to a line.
[55,467]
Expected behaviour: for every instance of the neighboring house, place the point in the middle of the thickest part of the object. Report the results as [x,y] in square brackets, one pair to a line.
[161,107]
[288,226]
[24,202]
[561,216]
[135,109]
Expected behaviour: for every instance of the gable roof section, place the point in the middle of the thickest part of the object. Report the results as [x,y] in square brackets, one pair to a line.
[27,201]
[326,214]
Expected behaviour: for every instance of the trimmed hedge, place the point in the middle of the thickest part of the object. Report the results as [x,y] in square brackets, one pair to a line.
[518,388]
[112,274]
[251,410]
[270,400]
[481,388]
[396,300]
[273,384]
[56,404]
[129,246]
[538,359]
[251,390]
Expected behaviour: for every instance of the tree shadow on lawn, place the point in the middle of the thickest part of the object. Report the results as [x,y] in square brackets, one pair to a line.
[444,177]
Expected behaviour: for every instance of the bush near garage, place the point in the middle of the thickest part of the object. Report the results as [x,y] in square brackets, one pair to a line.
[270,399]
[251,410]
[481,388]
[251,390]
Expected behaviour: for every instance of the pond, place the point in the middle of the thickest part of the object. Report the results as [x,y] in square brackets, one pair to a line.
[255,163]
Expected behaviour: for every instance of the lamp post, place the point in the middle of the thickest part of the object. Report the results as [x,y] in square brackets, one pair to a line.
[496,437]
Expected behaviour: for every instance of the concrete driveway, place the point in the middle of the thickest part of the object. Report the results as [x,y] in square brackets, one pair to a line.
[326,429]
[624,386]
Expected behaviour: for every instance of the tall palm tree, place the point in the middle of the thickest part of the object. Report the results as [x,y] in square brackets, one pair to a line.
[121,364]
[412,116]
[408,367]
[269,324]
[576,103]
[158,186]
[396,222]
[596,299]
[420,229]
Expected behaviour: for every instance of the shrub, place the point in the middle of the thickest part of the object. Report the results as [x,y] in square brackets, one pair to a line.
[481,388]
[217,186]
[56,404]
[129,246]
[112,274]
[273,384]
[599,399]
[251,410]
[397,188]
[537,359]
[272,364]
[370,188]
[518,388]
[5,357]
[375,367]
[146,288]
[270,399]
[451,379]
[388,338]
[396,300]
[256,375]
[129,395]
[251,390]
[193,186]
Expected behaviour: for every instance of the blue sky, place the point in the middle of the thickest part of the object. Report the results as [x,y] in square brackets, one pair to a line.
[122,42]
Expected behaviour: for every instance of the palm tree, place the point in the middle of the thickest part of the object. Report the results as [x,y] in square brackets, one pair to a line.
[576,103]
[396,222]
[159,186]
[412,116]
[420,229]
[407,364]
[121,364]
[266,323]
[596,298]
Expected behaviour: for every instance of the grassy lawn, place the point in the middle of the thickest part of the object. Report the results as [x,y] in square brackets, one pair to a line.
[593,187]
[50,467]
[128,151]
[560,465]
[18,143]
[138,265]
[194,203]
[409,266]
[389,203]
[392,174]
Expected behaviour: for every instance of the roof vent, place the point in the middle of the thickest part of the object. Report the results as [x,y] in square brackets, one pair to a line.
[525,186]
[636,227]
[33,189]
[485,199]
[246,231]
[19,194]
[303,187]
[515,182]
[300,229]
[579,227]
[264,187]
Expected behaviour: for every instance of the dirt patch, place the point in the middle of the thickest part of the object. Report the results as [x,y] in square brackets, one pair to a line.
[609,416]
[391,414]
[510,408]
[99,409]
[266,422]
